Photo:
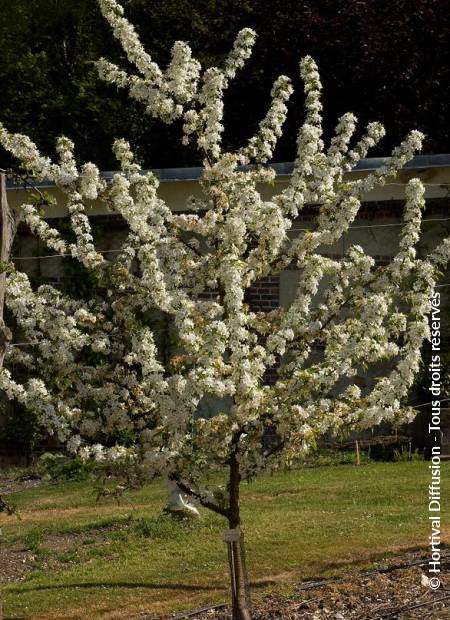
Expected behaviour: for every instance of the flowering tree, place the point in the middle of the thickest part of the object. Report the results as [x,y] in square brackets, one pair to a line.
[96,375]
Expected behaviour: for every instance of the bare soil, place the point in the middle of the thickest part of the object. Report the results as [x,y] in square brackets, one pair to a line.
[11,482]
[16,563]
[383,592]
[57,552]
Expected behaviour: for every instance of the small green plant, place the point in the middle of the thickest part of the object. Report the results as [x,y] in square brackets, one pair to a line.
[324,457]
[162,527]
[120,535]
[403,455]
[34,539]
[60,467]
[8,508]
[68,557]
[99,552]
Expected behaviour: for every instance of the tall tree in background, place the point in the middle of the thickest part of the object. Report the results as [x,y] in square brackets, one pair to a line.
[380,59]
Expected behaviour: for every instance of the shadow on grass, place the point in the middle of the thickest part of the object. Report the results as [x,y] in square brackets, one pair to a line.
[152,586]
[119,584]
[373,557]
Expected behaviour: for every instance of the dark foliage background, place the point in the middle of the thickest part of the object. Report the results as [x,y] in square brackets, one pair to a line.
[385,60]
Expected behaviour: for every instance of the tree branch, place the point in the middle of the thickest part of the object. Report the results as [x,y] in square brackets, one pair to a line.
[7,232]
[224,512]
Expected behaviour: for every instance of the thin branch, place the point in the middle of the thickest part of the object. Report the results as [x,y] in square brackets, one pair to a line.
[224,512]
[274,450]
[25,179]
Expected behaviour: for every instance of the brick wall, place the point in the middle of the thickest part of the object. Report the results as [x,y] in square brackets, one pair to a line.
[264,295]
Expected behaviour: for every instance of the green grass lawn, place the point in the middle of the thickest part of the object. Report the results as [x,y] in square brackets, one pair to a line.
[118,561]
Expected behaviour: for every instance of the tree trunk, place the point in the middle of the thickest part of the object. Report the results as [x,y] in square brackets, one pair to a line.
[236,550]
[7,232]
[239,591]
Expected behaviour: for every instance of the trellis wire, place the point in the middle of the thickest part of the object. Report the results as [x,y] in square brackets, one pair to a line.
[444,219]
[24,344]
[116,250]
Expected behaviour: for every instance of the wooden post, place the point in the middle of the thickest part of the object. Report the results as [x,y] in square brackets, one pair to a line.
[358,456]
[8,226]
[238,572]
[7,232]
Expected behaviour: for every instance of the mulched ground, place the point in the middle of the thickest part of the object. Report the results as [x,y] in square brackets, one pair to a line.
[16,563]
[11,482]
[388,591]
[57,552]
